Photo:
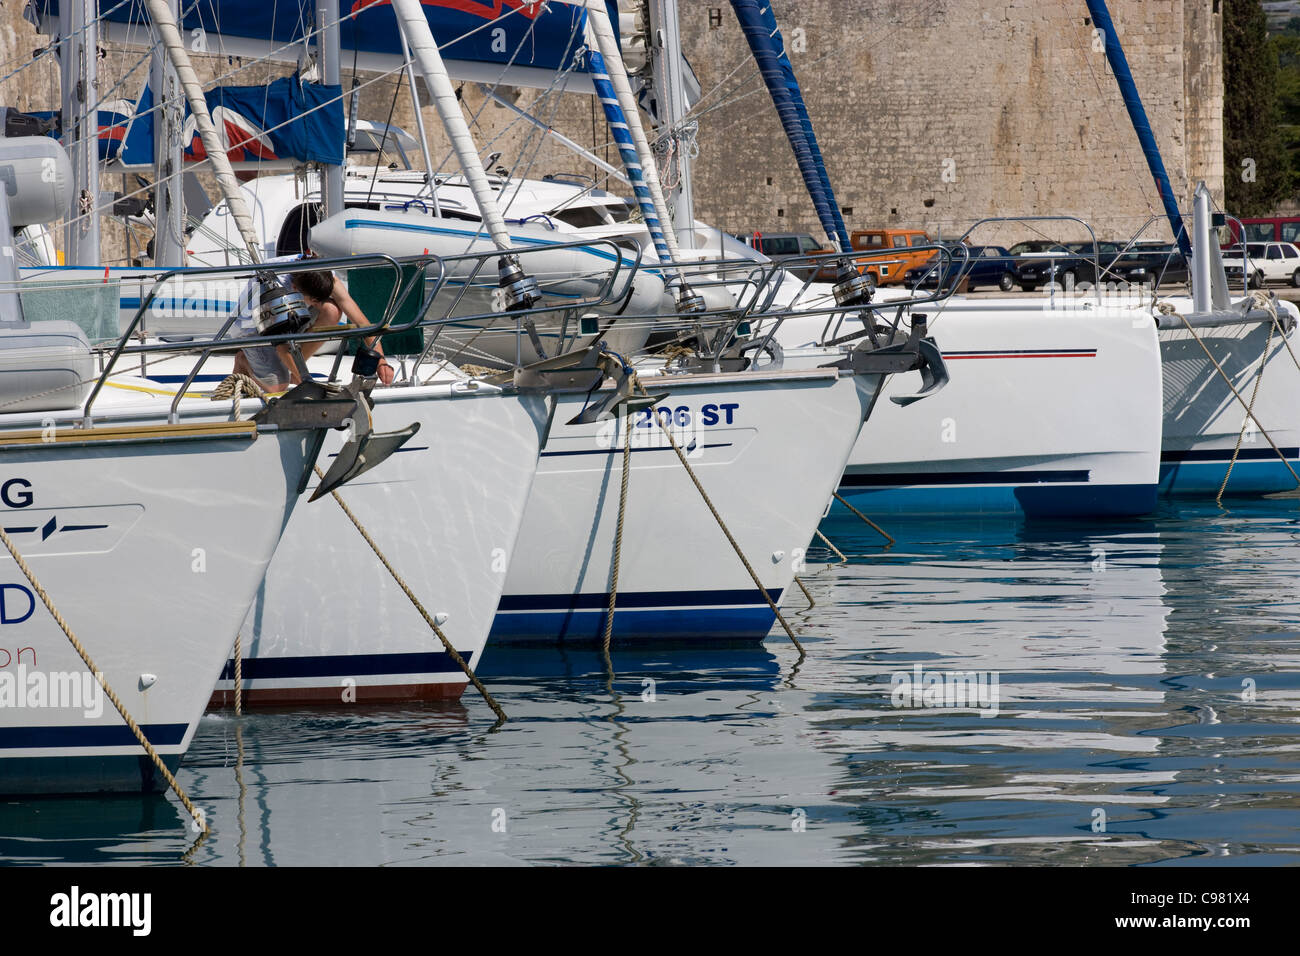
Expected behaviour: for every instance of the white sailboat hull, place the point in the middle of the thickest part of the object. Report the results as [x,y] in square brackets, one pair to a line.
[330,625]
[151,545]
[768,448]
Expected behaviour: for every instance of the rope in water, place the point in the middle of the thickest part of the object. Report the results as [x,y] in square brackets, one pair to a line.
[888,537]
[618,531]
[827,541]
[718,518]
[239,674]
[99,676]
[811,603]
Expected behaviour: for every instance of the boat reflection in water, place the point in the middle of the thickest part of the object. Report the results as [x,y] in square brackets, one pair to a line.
[1120,653]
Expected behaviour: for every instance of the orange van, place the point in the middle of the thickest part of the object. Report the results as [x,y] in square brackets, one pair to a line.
[894,245]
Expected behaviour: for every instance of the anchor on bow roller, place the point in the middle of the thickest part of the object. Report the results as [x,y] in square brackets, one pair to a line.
[284,311]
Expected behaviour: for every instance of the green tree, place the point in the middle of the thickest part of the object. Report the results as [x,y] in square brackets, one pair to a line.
[1257,169]
[1286,44]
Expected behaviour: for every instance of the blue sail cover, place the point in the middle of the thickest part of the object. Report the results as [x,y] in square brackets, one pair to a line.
[521,33]
[766,43]
[112,128]
[285,119]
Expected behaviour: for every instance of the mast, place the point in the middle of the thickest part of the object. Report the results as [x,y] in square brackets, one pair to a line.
[601,33]
[609,76]
[758,23]
[168,204]
[1138,116]
[521,291]
[165,23]
[79,25]
[670,92]
[327,19]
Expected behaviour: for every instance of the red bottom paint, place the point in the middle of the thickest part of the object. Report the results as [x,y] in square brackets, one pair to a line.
[361,694]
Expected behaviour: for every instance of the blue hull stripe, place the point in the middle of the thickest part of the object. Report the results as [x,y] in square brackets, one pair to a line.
[1203,478]
[1223,455]
[179,379]
[345,665]
[749,624]
[923,478]
[160,735]
[634,600]
[1040,501]
[92,773]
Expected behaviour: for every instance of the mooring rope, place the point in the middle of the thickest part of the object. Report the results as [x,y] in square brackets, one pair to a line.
[838,553]
[1241,434]
[1166,309]
[718,518]
[239,674]
[811,603]
[451,651]
[233,386]
[888,537]
[99,676]
[1265,301]
[618,531]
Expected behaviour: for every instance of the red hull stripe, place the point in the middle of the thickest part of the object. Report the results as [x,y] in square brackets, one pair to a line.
[1027,354]
[1023,354]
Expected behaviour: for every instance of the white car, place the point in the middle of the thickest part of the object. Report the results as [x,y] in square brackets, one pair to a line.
[1268,262]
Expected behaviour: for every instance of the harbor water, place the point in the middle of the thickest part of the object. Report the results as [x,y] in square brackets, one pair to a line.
[992,693]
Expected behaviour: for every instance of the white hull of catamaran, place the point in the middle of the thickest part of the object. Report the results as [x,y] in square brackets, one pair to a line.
[1207,434]
[151,541]
[768,448]
[1048,413]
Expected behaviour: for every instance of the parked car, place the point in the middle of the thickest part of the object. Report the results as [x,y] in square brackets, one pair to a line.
[1040,261]
[1266,261]
[779,246]
[1140,264]
[1147,263]
[891,268]
[985,265]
